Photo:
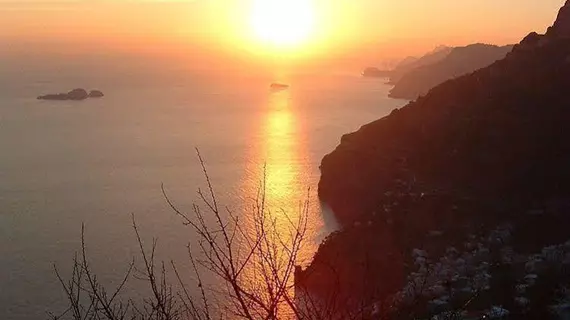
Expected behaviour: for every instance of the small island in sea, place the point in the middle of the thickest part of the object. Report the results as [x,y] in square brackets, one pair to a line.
[279,86]
[75,95]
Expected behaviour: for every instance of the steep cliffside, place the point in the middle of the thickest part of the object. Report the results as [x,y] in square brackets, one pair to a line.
[486,148]
[499,132]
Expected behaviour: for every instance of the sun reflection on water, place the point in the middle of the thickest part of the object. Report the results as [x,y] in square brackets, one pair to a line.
[281,168]
[279,158]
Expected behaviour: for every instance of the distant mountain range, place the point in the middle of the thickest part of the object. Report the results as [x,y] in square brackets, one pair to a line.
[413,77]
[459,61]
[411,63]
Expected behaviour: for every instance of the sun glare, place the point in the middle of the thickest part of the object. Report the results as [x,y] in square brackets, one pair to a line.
[282,22]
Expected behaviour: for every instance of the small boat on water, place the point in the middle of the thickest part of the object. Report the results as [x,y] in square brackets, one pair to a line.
[279,86]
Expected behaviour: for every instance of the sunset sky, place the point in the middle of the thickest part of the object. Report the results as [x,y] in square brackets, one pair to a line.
[380,28]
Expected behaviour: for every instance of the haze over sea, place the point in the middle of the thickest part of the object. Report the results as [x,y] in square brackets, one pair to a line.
[98,161]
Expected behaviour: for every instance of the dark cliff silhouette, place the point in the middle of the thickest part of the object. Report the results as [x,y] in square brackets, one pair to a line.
[499,129]
[458,62]
[485,148]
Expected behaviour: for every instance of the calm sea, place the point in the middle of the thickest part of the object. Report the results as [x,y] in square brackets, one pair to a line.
[99,161]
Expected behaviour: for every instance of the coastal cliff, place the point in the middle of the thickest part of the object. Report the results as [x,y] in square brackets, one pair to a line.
[484,149]
[498,132]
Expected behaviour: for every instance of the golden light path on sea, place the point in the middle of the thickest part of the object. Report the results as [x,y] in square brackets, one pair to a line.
[283,178]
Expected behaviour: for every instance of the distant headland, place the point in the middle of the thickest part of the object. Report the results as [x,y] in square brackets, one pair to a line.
[414,77]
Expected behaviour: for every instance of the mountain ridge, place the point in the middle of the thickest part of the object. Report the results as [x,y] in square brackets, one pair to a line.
[459,61]
[411,63]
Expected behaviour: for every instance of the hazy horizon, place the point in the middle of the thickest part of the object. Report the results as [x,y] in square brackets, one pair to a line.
[345,34]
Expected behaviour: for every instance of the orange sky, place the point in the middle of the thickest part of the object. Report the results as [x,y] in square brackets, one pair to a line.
[372,29]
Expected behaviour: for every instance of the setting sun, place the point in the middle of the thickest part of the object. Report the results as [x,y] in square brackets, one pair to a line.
[284,159]
[282,22]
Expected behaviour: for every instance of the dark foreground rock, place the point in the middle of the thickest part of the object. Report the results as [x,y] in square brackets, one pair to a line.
[75,94]
[486,148]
